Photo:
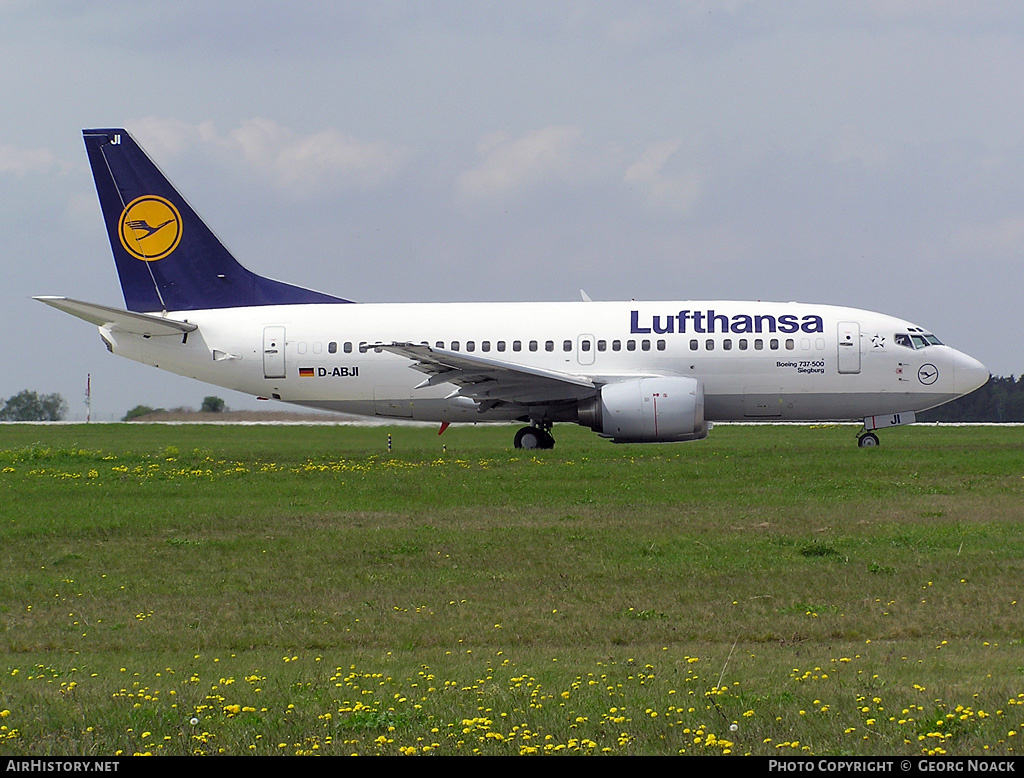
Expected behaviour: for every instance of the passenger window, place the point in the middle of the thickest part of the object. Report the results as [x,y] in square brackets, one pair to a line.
[332,347]
[549,345]
[790,344]
[773,344]
[517,345]
[662,345]
[585,345]
[616,345]
[630,345]
[758,344]
[709,344]
[533,345]
[694,345]
[485,345]
[602,345]
[727,344]
[743,344]
[470,345]
[348,347]
[501,345]
[566,345]
[455,345]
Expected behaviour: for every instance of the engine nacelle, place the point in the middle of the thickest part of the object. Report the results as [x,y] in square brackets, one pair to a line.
[647,410]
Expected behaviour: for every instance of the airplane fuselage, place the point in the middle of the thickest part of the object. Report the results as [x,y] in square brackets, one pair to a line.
[756,360]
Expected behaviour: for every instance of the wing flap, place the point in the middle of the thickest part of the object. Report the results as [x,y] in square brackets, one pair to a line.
[492,380]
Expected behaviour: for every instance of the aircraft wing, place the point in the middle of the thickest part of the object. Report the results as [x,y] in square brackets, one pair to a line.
[118,320]
[491,381]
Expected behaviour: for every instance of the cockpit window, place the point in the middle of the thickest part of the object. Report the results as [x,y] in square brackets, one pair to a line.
[915,340]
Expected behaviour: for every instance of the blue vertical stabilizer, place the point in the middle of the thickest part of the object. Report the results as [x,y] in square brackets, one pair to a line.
[166,257]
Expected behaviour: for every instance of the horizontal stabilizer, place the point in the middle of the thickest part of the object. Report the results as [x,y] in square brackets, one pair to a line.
[118,320]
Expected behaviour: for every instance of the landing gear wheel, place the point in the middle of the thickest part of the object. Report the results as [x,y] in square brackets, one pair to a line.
[528,437]
[867,440]
[533,437]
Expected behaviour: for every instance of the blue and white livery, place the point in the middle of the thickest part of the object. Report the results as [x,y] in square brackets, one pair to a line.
[631,371]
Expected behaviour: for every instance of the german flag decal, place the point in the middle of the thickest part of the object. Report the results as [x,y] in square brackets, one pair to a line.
[306,372]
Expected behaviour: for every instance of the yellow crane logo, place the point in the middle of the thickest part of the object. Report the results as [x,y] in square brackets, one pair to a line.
[150,228]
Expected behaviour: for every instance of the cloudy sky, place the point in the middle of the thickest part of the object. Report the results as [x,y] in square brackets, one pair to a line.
[856,153]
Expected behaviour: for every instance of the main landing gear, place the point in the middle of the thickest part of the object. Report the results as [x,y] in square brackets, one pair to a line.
[534,437]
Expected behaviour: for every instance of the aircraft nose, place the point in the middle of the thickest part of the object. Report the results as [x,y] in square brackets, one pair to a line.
[968,373]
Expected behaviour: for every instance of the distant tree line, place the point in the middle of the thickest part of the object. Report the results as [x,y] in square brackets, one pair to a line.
[211,404]
[31,406]
[139,411]
[1001,399]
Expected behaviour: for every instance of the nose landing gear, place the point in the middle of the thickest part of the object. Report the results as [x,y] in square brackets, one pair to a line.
[867,440]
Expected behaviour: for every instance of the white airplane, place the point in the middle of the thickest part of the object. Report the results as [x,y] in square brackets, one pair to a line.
[631,371]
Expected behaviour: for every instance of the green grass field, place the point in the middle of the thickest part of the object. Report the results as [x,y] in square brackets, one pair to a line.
[282,590]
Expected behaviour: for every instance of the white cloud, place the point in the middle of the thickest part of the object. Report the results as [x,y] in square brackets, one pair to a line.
[509,164]
[21,161]
[1002,239]
[330,154]
[166,137]
[671,192]
[303,164]
[850,144]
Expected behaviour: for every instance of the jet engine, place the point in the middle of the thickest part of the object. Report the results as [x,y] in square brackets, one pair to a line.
[647,410]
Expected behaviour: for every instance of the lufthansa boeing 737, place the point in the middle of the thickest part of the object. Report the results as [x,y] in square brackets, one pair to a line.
[634,372]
